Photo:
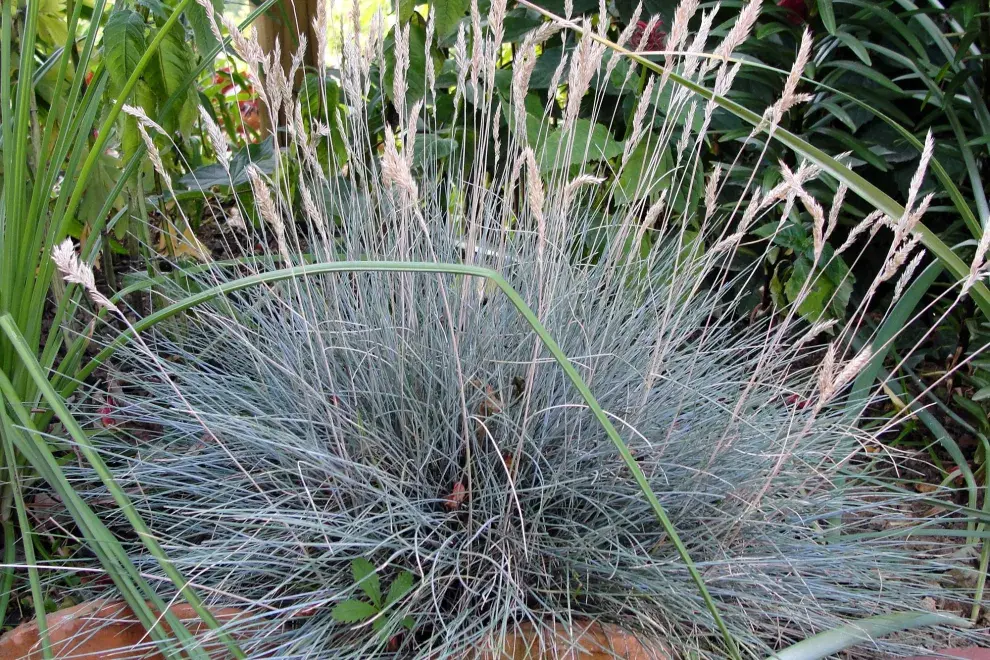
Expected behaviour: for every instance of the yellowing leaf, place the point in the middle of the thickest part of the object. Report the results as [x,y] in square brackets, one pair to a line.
[186,244]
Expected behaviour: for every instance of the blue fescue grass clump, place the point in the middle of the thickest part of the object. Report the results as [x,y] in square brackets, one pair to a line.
[273,437]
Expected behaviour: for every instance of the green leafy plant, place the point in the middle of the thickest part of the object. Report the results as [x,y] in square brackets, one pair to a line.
[389,387]
[354,610]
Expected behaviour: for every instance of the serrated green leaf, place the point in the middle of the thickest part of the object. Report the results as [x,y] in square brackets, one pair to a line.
[123,44]
[586,142]
[353,611]
[400,586]
[817,294]
[106,170]
[200,24]
[430,148]
[168,72]
[366,578]
[262,155]
[156,8]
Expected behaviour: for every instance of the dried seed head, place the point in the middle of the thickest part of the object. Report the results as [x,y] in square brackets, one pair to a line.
[246,46]
[789,97]
[639,116]
[218,139]
[214,28]
[679,29]
[395,169]
[627,33]
[906,276]
[740,30]
[919,174]
[816,329]
[321,27]
[313,214]
[535,196]
[711,190]
[76,272]
[584,65]
[865,224]
[496,21]
[401,67]
[268,209]
[572,188]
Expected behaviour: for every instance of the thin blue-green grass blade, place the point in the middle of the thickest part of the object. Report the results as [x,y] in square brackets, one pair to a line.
[830,642]
[127,507]
[981,578]
[133,588]
[450,269]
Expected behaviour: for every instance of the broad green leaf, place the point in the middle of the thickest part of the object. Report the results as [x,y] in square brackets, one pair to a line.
[447,14]
[839,113]
[52,26]
[123,44]
[105,171]
[817,294]
[517,23]
[366,578]
[867,72]
[261,155]
[167,74]
[406,9]
[156,8]
[981,394]
[353,611]
[430,148]
[586,142]
[400,586]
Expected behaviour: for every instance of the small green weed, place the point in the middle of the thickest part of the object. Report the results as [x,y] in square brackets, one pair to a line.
[354,610]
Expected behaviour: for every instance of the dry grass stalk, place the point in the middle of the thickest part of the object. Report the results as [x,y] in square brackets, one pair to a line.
[76,272]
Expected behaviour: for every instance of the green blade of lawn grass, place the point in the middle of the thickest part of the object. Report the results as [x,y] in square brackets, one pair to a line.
[517,301]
